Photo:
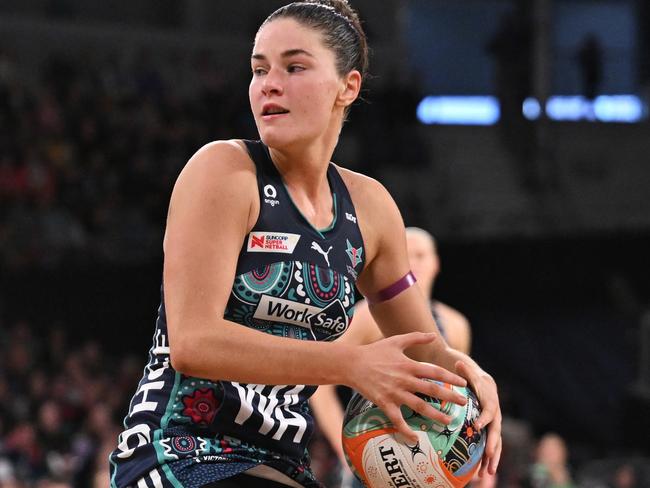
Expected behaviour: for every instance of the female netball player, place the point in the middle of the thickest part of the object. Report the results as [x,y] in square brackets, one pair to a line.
[263,245]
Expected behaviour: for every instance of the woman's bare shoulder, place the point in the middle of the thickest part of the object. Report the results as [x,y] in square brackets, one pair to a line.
[229,156]
[378,214]
[360,186]
[220,175]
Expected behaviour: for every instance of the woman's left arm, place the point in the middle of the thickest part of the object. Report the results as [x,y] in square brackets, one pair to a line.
[409,312]
[386,263]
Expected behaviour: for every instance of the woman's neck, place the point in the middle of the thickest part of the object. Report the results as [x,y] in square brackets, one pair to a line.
[302,170]
[303,167]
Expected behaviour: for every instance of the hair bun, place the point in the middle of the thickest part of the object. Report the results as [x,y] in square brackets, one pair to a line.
[341,6]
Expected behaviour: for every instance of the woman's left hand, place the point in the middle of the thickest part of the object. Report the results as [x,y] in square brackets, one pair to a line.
[486,391]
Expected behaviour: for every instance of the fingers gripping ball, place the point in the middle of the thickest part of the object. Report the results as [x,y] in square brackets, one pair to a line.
[444,456]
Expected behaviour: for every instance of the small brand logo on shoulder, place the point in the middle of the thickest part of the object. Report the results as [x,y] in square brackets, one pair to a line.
[354,253]
[281,242]
[350,217]
[271,193]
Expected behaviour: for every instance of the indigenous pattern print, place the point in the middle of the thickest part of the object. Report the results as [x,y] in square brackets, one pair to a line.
[265,299]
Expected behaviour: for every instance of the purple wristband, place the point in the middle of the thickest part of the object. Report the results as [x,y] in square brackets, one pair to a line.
[393,290]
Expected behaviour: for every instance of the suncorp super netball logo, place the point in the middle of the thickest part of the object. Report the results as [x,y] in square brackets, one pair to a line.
[281,242]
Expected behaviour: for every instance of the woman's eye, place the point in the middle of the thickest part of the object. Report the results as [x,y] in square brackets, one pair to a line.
[294,68]
[259,71]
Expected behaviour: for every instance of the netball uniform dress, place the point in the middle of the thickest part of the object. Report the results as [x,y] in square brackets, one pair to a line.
[292,280]
[437,319]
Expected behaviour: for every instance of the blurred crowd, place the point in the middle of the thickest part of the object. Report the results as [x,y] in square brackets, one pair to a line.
[89,150]
[60,407]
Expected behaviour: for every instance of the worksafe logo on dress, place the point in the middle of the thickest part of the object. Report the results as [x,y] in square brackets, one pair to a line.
[324,323]
[272,242]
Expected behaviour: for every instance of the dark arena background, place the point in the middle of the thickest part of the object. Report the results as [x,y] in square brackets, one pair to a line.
[516,132]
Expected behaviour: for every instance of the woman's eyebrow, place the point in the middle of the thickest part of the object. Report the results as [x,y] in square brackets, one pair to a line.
[286,54]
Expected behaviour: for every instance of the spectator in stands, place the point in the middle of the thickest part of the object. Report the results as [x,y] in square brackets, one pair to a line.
[551,466]
[625,477]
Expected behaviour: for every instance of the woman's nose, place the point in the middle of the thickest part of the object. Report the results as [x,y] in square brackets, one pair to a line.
[272,83]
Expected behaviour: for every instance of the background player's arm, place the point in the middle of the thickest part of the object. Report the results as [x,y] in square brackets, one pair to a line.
[328,412]
[409,311]
[363,329]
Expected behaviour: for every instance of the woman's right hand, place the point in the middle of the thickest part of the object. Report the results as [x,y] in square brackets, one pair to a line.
[383,374]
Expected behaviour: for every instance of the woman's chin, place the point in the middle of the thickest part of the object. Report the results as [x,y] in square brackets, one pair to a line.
[277,139]
[289,137]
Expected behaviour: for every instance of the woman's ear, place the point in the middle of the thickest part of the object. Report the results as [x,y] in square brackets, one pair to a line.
[350,87]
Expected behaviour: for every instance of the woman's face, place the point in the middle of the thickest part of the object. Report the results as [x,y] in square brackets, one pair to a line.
[295,89]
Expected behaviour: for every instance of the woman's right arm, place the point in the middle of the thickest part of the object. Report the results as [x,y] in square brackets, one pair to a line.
[213,206]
